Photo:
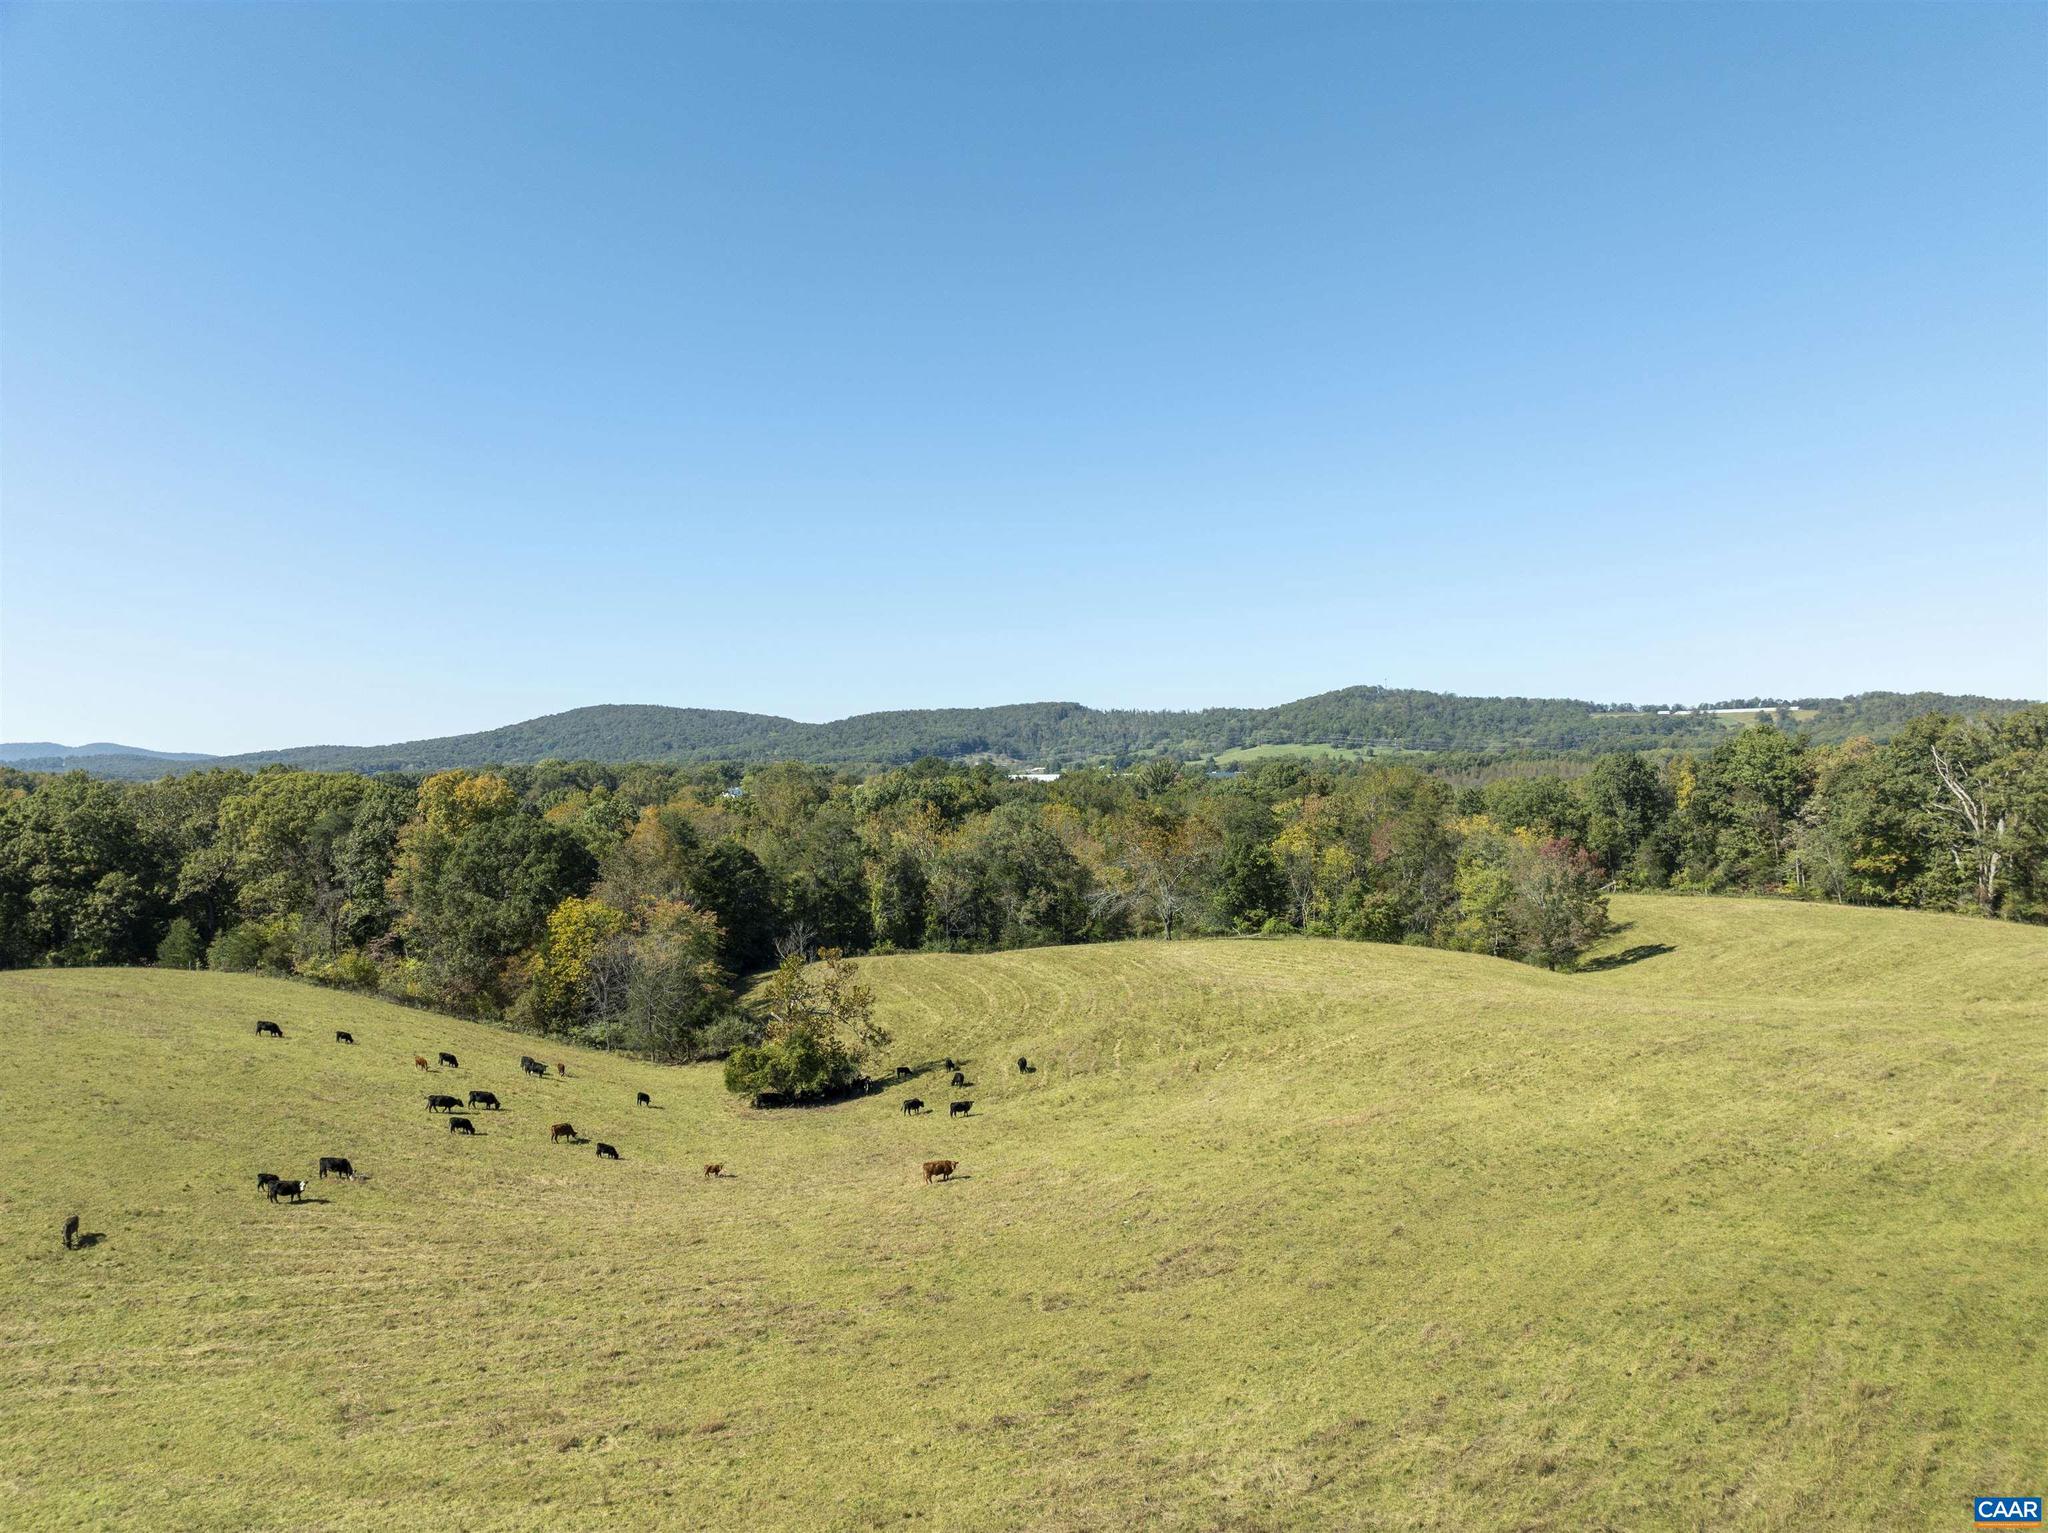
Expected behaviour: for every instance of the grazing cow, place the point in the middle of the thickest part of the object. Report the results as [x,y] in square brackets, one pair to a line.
[952,1065]
[264,1179]
[1023,1065]
[283,1189]
[960,1109]
[460,1126]
[342,1037]
[913,1105]
[560,1068]
[533,1067]
[642,1099]
[562,1131]
[941,1169]
[338,1164]
[269,1030]
[451,1061]
[484,1099]
[904,1072]
[959,1077]
[606,1152]
[714,1168]
[440,1103]
[421,1062]
[71,1232]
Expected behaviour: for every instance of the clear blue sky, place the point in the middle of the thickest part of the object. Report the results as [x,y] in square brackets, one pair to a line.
[377,371]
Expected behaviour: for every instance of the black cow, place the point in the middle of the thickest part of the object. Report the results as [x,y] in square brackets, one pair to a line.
[342,1037]
[71,1232]
[484,1099]
[959,1077]
[438,1103]
[451,1062]
[642,1099]
[264,1179]
[904,1072]
[283,1189]
[913,1104]
[960,1109]
[606,1152]
[533,1067]
[269,1030]
[952,1065]
[338,1164]
[1023,1065]
[461,1126]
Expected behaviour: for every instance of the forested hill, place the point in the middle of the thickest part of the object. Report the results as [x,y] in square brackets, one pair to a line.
[1054,733]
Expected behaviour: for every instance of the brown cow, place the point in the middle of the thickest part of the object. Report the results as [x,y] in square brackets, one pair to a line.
[560,1068]
[419,1061]
[714,1168]
[562,1131]
[942,1169]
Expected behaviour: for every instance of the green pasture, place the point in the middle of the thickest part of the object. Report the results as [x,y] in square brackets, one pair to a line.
[1745,1227]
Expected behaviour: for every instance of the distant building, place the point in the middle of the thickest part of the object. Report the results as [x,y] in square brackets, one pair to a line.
[1034,777]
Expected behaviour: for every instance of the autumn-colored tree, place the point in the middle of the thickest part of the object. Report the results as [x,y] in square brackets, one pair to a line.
[561,973]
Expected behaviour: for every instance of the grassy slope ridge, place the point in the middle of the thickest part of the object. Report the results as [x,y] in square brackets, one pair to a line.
[1750,1232]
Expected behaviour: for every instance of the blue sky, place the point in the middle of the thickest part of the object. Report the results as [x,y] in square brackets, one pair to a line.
[378,371]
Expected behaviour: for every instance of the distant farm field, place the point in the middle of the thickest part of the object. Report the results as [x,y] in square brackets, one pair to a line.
[1246,755]
[1747,1228]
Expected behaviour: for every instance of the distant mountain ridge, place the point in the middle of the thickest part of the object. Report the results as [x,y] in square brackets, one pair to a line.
[12,751]
[1352,718]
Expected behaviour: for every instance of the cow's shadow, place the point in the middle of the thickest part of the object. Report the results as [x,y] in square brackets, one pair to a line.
[304,1202]
[88,1240]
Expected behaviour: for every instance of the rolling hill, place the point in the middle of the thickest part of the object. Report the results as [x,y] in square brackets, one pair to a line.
[1354,719]
[1745,1227]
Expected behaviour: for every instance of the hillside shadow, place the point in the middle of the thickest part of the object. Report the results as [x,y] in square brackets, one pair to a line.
[1627,956]
[903,1075]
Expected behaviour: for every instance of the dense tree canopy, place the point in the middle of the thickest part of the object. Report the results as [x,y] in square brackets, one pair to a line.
[618,904]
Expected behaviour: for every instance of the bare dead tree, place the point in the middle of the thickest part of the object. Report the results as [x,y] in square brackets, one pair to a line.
[1963,799]
[798,939]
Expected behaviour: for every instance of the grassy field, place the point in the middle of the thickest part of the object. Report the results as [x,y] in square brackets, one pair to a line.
[1747,1228]
[1249,755]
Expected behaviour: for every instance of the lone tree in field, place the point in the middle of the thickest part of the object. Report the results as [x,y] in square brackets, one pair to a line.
[820,1028]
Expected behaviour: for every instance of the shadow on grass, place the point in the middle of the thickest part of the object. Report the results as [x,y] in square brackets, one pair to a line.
[1627,956]
[88,1240]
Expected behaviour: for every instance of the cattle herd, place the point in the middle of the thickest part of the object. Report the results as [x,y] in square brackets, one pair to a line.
[293,1190]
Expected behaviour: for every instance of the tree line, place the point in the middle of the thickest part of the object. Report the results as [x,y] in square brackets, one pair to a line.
[618,904]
